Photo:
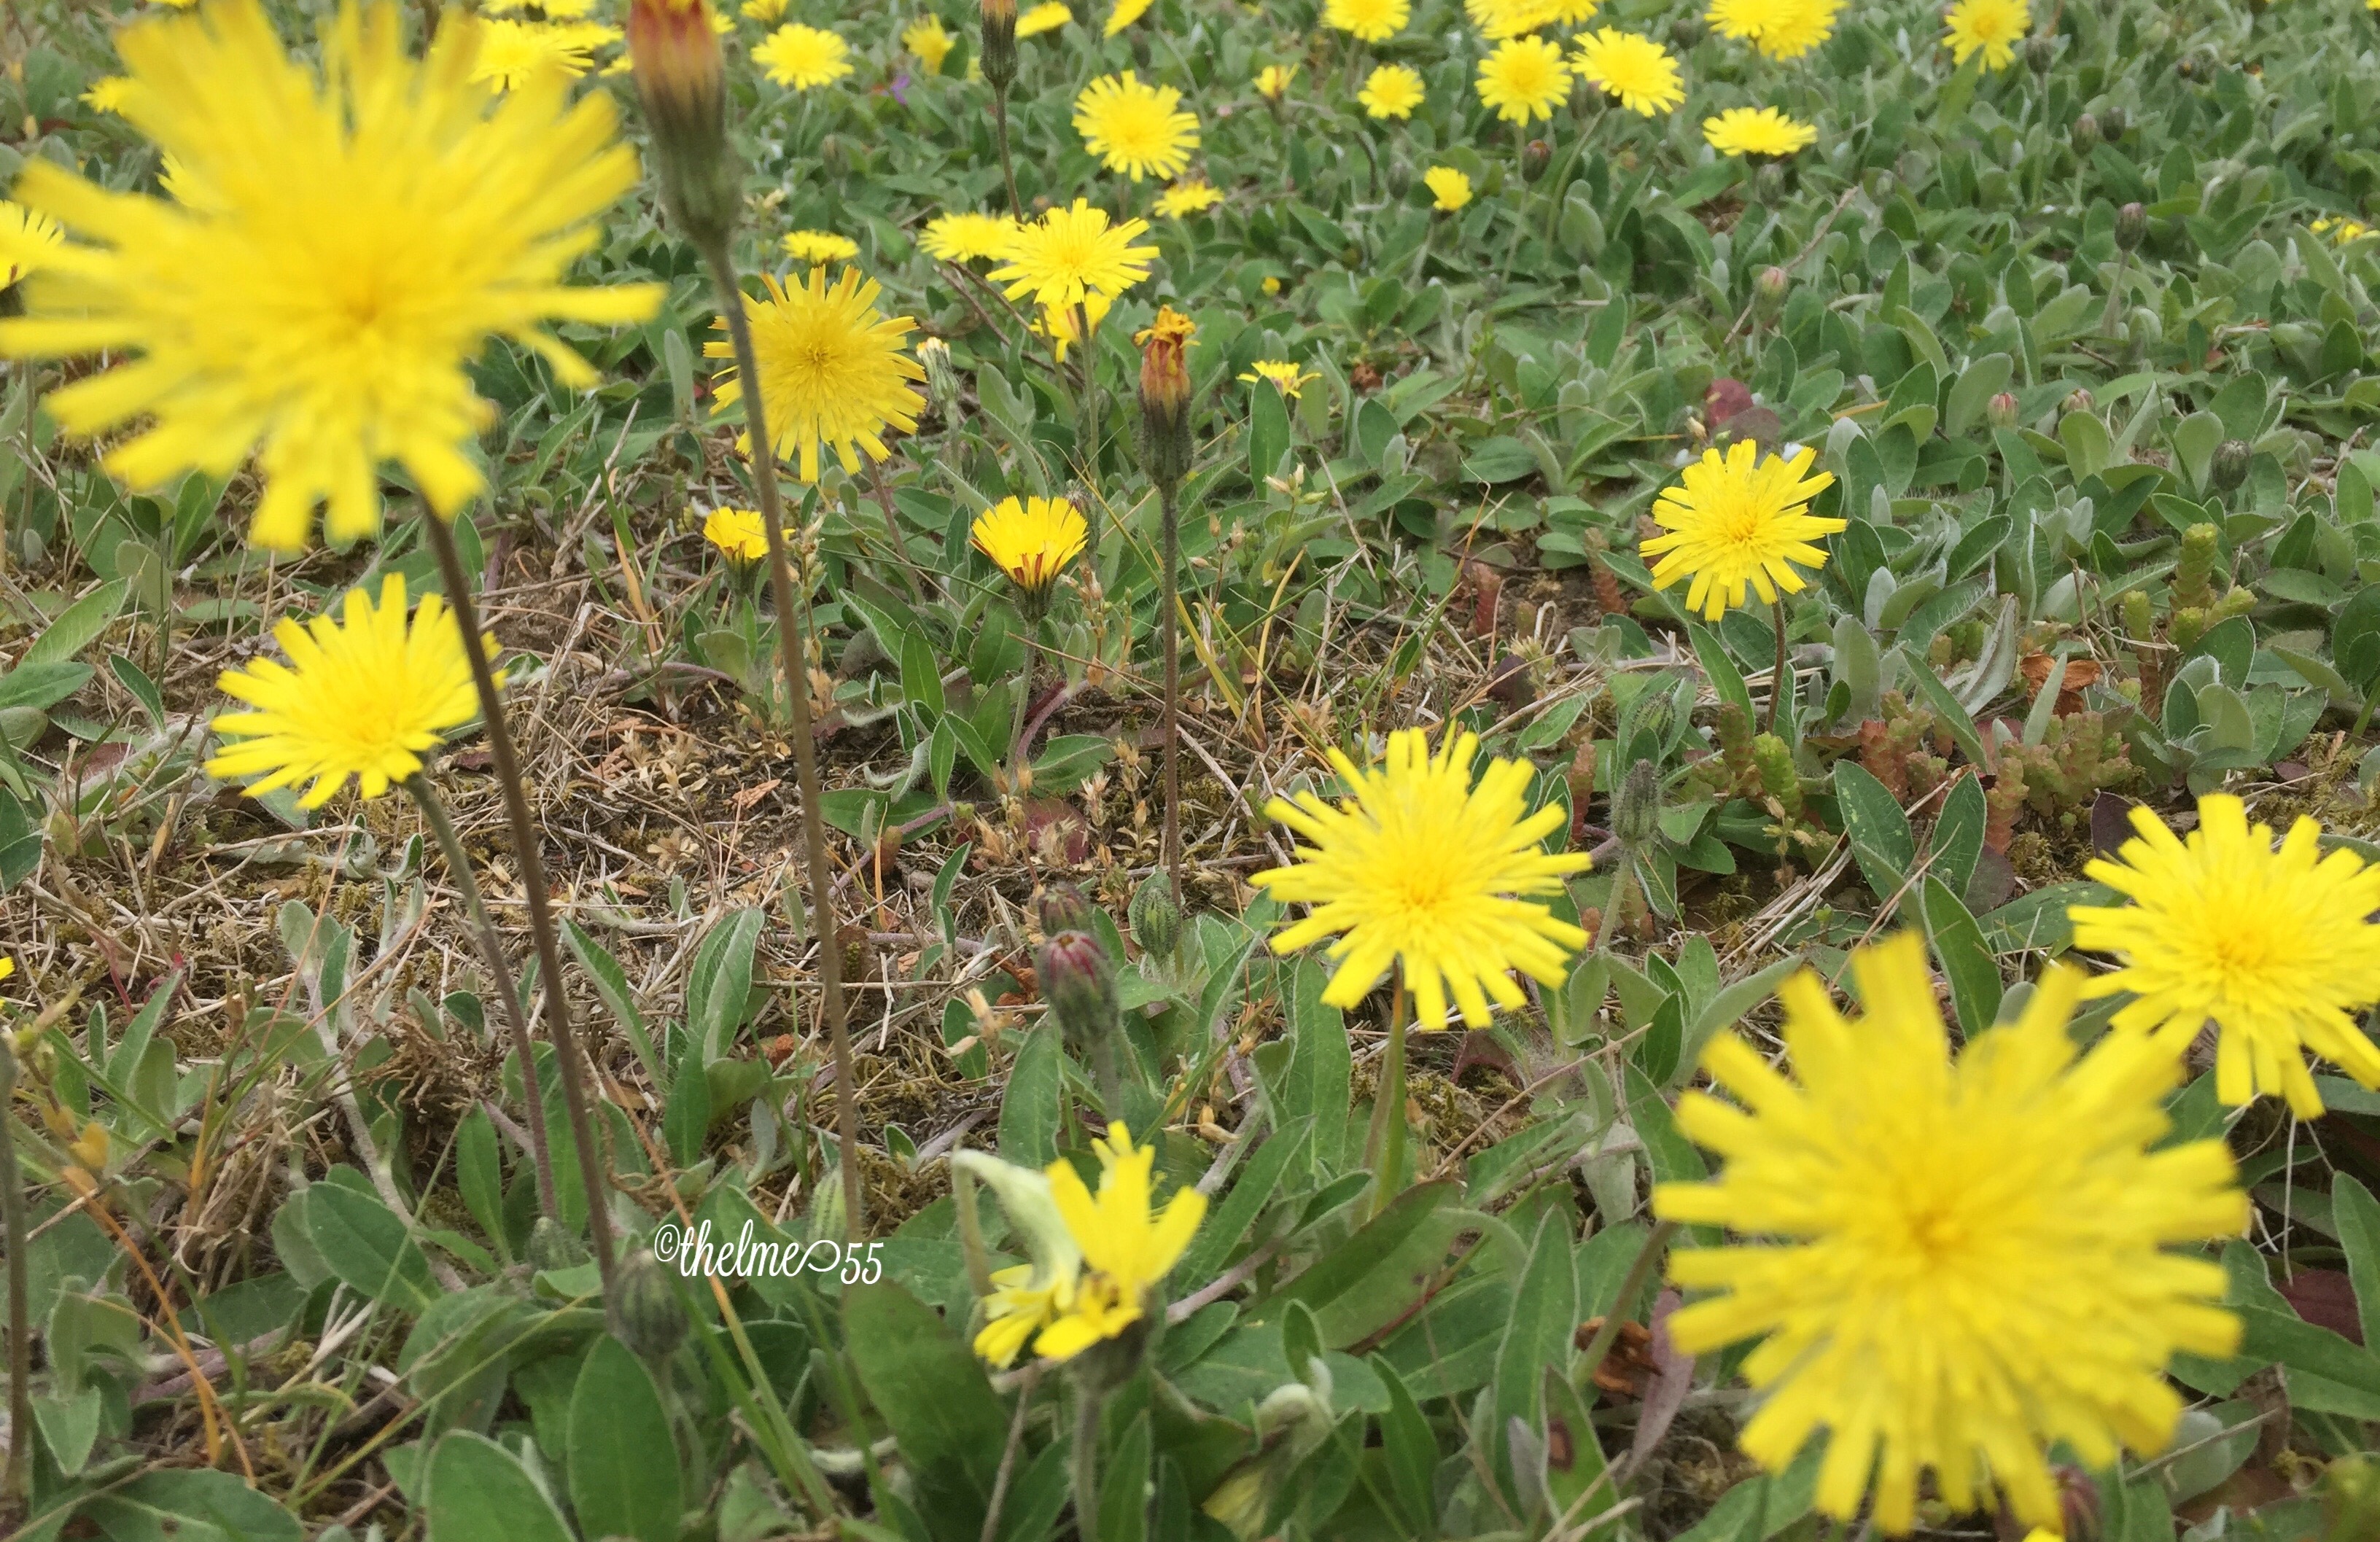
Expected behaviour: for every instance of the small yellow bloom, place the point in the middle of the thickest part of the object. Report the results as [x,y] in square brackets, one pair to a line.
[512,53]
[1792,28]
[108,93]
[833,371]
[1367,21]
[768,13]
[738,533]
[964,237]
[1031,540]
[1047,16]
[1074,251]
[930,42]
[1392,92]
[2341,230]
[1127,1251]
[27,238]
[1524,80]
[803,56]
[1060,324]
[1991,28]
[7,967]
[1282,374]
[1272,81]
[819,246]
[1272,284]
[1450,189]
[1502,19]
[1126,12]
[1757,131]
[1187,198]
[1738,522]
[1636,71]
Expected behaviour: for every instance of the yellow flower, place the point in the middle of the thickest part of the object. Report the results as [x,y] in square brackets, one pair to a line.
[363,699]
[803,56]
[1636,70]
[1367,21]
[2341,230]
[768,13]
[833,371]
[1272,283]
[1057,323]
[1126,1250]
[1187,198]
[28,239]
[1737,522]
[1757,131]
[512,53]
[1282,374]
[1448,187]
[1742,19]
[738,533]
[1422,869]
[1500,20]
[1991,28]
[1272,81]
[1575,13]
[819,246]
[108,93]
[2277,948]
[351,239]
[1017,1310]
[1126,12]
[1792,28]
[7,967]
[964,237]
[1392,90]
[1071,252]
[1027,1298]
[1031,540]
[1524,80]
[1957,1261]
[1047,16]
[1135,128]
[931,42]
[554,10]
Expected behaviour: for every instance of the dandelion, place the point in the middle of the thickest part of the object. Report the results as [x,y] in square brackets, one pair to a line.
[1501,20]
[1575,13]
[1737,522]
[803,56]
[7,967]
[2277,948]
[1991,28]
[553,10]
[1392,92]
[1792,28]
[1524,80]
[2341,230]
[1128,1249]
[819,246]
[1135,129]
[362,700]
[28,239]
[1272,81]
[1282,374]
[298,305]
[1421,868]
[1126,12]
[1742,19]
[832,370]
[931,42]
[1958,1261]
[1637,71]
[1184,199]
[1031,540]
[1060,324]
[1757,131]
[1449,190]
[1047,16]
[965,237]
[108,93]
[738,533]
[768,13]
[1073,252]
[1367,21]
[513,53]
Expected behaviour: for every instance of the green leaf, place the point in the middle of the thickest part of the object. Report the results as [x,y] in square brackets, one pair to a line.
[365,1244]
[1726,680]
[1232,1223]
[1028,1110]
[1068,761]
[1958,945]
[40,685]
[610,984]
[2358,1218]
[2289,1341]
[1881,841]
[1536,1335]
[720,983]
[624,1470]
[191,1505]
[1376,1276]
[479,1493]
[1124,1483]
[77,627]
[478,1173]
[1267,431]
[921,681]
[934,1395]
[1411,1451]
[1722,1010]
[1937,695]
[1958,837]
[1321,1067]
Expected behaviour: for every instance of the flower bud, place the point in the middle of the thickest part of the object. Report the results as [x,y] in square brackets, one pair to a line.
[2350,1497]
[683,81]
[998,53]
[1156,921]
[1685,32]
[1078,981]
[647,1313]
[2079,1506]
[1636,808]
[942,379]
[2112,123]
[2001,410]
[2140,620]
[1061,908]
[551,1249]
[1536,157]
[2230,467]
[1772,285]
[1769,183]
[2132,227]
[2086,134]
[1166,449]
[2040,52]
[2076,400]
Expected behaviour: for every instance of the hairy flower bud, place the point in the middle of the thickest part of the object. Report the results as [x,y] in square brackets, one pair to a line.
[1636,808]
[2076,400]
[2132,227]
[2086,134]
[2113,123]
[1772,285]
[1166,449]
[2140,620]
[1536,157]
[998,53]
[2001,410]
[551,1249]
[941,378]
[1061,908]
[683,81]
[1156,920]
[647,1313]
[2229,467]
[1078,981]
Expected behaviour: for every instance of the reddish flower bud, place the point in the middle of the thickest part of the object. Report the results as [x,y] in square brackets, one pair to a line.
[1165,397]
[683,81]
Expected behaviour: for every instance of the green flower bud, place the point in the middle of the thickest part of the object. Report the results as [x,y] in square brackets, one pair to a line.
[1774,758]
[2230,467]
[1156,921]
[2001,410]
[1772,285]
[1078,979]
[1061,908]
[648,1313]
[2139,618]
[2350,1498]
[1636,808]
[2086,134]
[1536,157]
[998,53]
[2112,123]
[2040,52]
[552,1249]
[2132,227]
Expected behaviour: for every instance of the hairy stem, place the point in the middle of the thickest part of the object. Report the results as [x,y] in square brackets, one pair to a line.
[20,1332]
[1170,560]
[1384,1147]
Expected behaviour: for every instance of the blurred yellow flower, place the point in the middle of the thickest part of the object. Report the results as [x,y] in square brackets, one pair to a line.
[512,53]
[1449,187]
[1135,129]
[1187,198]
[108,93]
[738,533]
[1757,131]
[1991,28]
[803,56]
[1500,20]
[1638,72]
[964,237]
[2341,229]
[28,237]
[930,42]
[819,246]
[1392,92]
[1047,16]
[1282,374]
[1794,26]
[1524,80]
[1272,81]
[1057,323]
[768,13]
[1126,12]
[1367,21]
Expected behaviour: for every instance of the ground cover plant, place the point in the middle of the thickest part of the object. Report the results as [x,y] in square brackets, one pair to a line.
[1366,770]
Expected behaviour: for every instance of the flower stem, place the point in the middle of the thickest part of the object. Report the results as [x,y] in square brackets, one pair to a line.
[1384,1147]
[1086,1459]
[1780,682]
[1000,128]
[492,953]
[540,913]
[1170,559]
[1090,440]
[1017,732]
[20,1331]
[795,656]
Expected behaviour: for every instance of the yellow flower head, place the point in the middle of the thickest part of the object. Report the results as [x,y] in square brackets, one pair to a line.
[1282,374]
[819,246]
[1027,1298]
[2340,230]
[1126,12]
[1064,329]
[1792,28]
[1135,128]
[1421,868]
[931,42]
[363,699]
[1757,131]
[803,56]
[1953,1263]
[1742,19]
[1272,81]
[1500,20]
[1638,72]
[7,967]
[1991,28]
[1367,21]
[554,10]
[1187,198]
[512,53]
[832,370]
[1047,16]
[349,241]
[1575,13]
[29,239]
[1449,190]
[768,13]
[1126,1250]
[1074,251]
[1524,80]
[2277,948]
[738,533]
[1392,92]
[1031,540]
[108,93]
[1738,522]
[965,237]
